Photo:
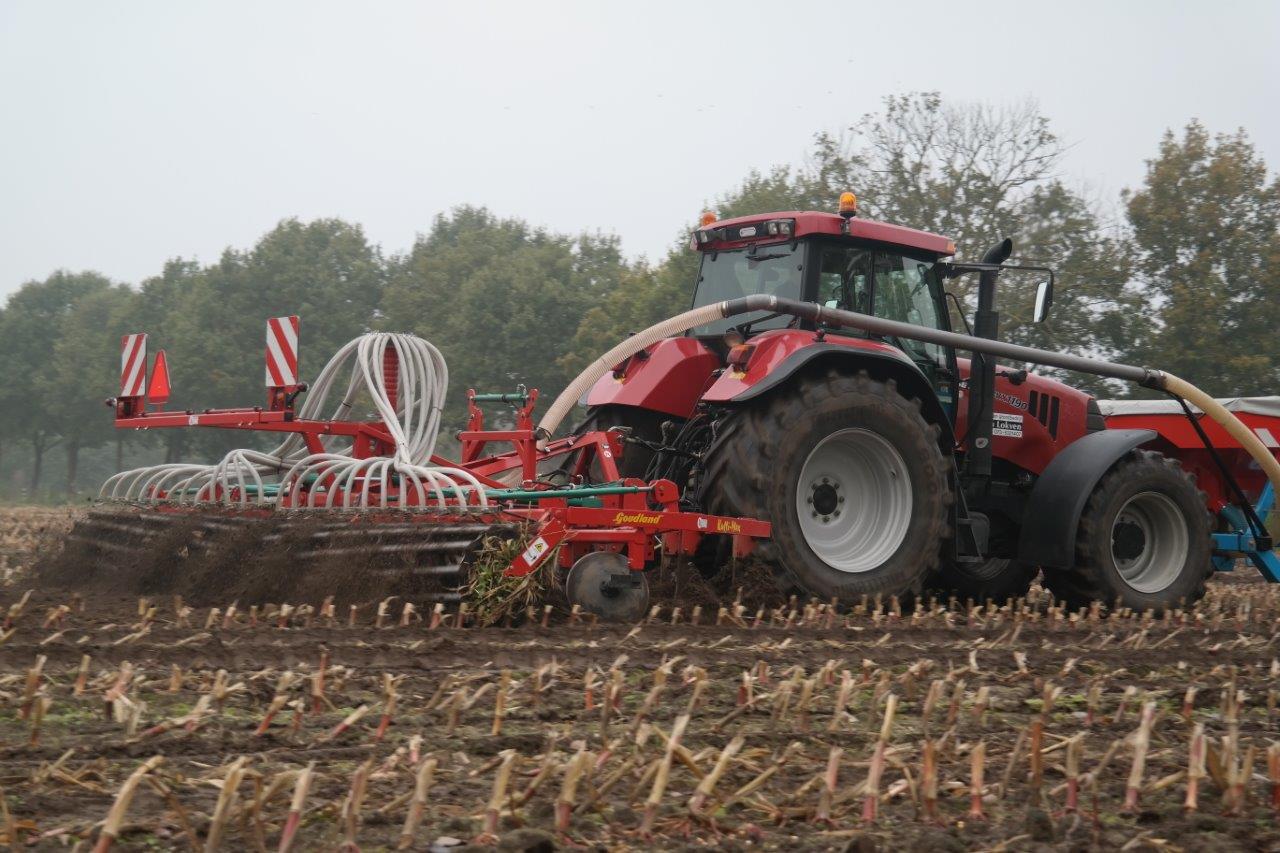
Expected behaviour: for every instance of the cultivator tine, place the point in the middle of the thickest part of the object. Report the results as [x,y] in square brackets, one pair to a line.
[421,558]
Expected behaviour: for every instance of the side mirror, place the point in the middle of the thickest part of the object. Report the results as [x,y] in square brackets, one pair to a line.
[1044,300]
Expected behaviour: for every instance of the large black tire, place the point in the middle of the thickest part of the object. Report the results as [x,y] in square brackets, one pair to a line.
[1145,493]
[995,579]
[755,466]
[644,424]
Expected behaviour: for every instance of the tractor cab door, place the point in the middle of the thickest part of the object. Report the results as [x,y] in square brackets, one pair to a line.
[895,286]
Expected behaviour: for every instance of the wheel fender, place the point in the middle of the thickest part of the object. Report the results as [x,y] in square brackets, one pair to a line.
[1053,513]
[909,378]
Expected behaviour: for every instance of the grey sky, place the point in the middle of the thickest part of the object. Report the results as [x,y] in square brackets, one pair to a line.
[134,132]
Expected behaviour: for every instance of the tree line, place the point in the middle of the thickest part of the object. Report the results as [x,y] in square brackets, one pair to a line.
[1181,273]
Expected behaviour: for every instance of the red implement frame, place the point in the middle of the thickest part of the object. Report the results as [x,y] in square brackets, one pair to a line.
[637,521]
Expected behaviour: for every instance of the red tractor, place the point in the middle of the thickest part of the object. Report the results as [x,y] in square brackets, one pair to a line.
[888,465]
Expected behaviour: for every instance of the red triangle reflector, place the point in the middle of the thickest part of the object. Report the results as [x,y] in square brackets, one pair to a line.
[158,389]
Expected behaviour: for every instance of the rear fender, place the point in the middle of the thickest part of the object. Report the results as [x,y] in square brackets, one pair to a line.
[1052,513]
[777,359]
[668,377]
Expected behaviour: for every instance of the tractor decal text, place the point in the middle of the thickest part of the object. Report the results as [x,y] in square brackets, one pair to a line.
[1010,400]
[1007,425]
[727,525]
[636,518]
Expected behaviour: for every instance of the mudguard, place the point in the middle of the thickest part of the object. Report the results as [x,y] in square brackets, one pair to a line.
[1053,512]
[881,360]
[668,377]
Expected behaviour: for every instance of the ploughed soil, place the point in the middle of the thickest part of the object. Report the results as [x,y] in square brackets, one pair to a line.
[784,712]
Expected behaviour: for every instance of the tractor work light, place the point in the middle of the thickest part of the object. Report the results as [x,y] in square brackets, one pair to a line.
[708,216]
[739,356]
[770,228]
[848,204]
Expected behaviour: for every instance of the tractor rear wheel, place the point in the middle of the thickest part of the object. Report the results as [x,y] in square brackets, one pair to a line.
[644,424]
[1143,540]
[852,478]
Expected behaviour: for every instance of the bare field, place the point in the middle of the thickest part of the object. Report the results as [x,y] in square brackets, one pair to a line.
[149,724]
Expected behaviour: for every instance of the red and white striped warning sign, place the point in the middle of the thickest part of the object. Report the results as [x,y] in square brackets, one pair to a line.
[282,352]
[133,365]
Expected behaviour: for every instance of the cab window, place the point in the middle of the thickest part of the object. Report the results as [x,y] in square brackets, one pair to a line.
[844,279]
[776,270]
[903,292]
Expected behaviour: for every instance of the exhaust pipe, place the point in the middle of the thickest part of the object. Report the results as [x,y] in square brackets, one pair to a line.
[982,372]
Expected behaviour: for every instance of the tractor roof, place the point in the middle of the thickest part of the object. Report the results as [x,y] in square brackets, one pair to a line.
[813,222]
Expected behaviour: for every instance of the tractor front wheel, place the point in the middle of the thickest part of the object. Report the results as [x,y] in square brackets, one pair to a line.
[1143,539]
[850,475]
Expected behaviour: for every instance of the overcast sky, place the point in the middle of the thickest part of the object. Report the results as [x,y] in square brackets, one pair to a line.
[138,131]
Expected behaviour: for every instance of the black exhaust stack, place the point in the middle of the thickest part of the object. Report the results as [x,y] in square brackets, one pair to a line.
[982,369]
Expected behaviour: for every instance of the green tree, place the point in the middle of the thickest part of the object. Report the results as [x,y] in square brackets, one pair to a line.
[84,369]
[1206,232]
[502,300]
[34,320]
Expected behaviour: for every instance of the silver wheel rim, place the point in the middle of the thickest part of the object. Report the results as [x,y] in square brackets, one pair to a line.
[854,500]
[1149,542]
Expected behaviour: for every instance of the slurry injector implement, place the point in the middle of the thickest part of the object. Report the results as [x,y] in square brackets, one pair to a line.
[812,410]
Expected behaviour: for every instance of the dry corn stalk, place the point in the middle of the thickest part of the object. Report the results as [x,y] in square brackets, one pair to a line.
[115,817]
[353,803]
[39,708]
[1195,767]
[660,779]
[118,689]
[421,786]
[842,701]
[350,720]
[82,676]
[829,780]
[493,811]
[569,789]
[1141,744]
[500,703]
[300,790]
[980,703]
[708,783]
[389,697]
[871,790]
[317,683]
[929,780]
[977,764]
[34,677]
[1074,748]
[228,796]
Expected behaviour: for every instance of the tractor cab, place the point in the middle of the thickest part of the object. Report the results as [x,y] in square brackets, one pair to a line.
[839,260]
[835,260]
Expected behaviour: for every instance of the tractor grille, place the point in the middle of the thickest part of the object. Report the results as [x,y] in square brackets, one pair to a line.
[1045,408]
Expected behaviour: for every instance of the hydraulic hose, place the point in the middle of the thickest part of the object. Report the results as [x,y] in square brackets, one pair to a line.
[1145,376]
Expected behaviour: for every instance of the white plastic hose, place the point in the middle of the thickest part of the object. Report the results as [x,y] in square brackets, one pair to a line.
[671,326]
[413,424]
